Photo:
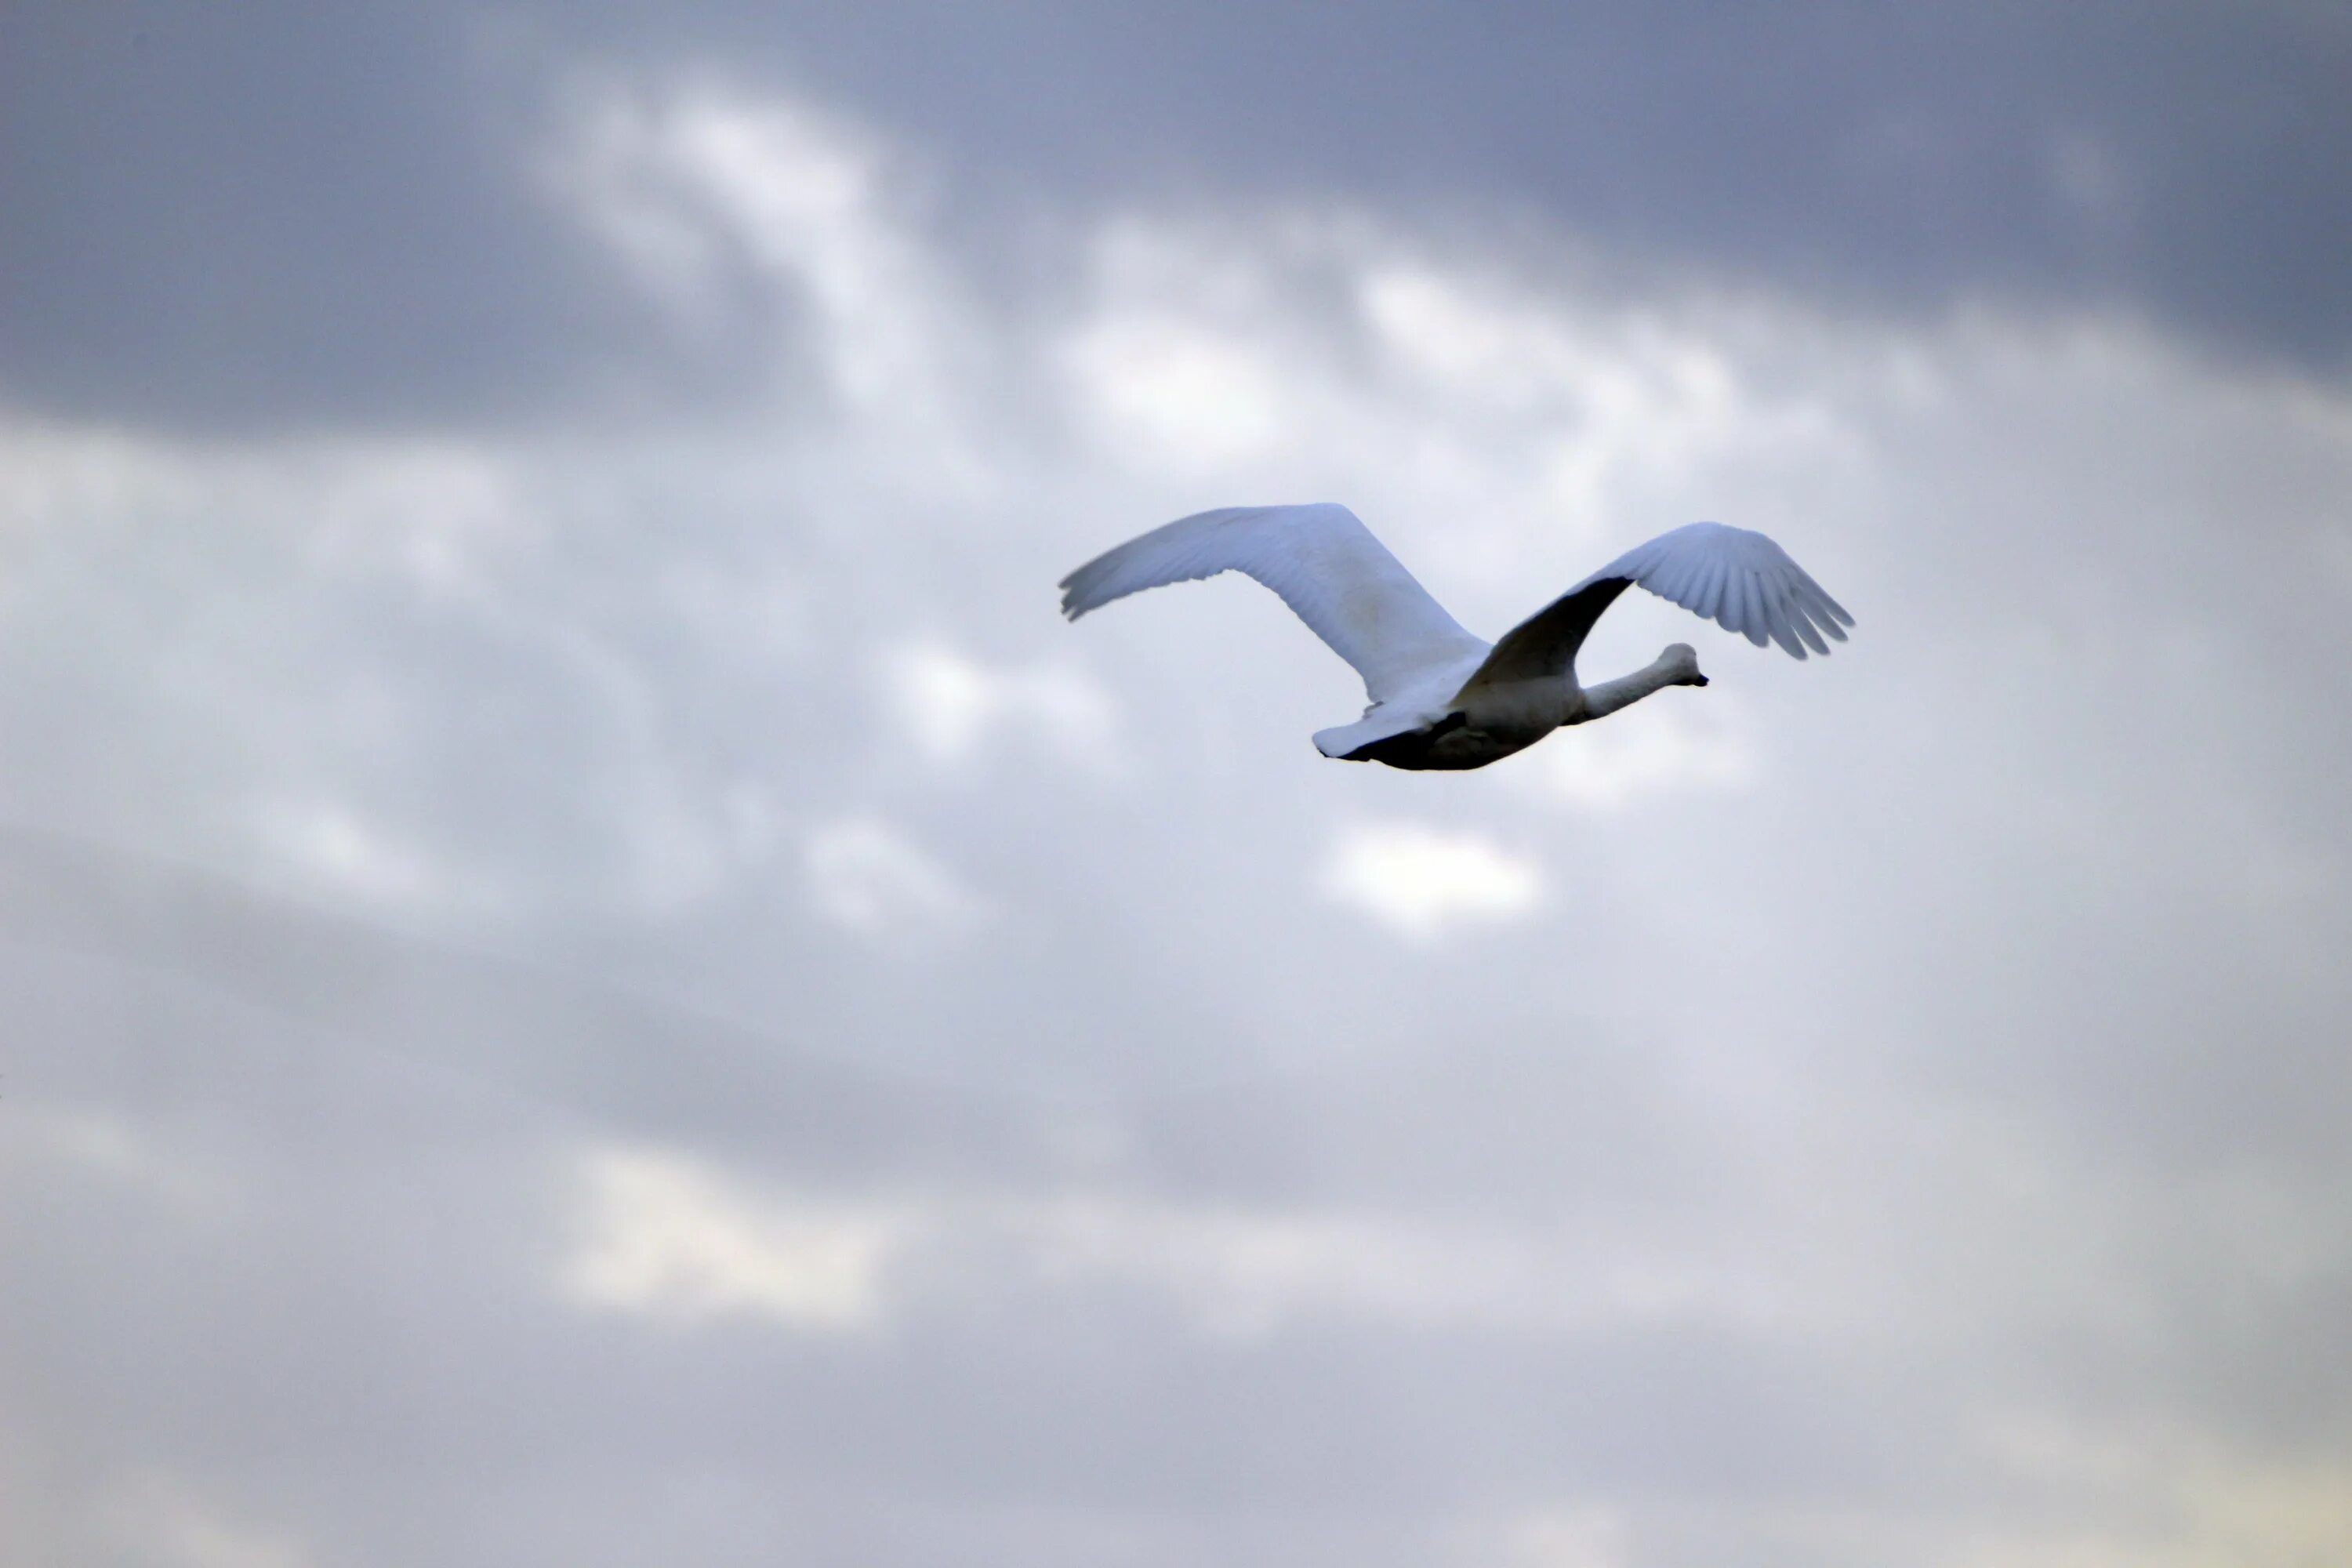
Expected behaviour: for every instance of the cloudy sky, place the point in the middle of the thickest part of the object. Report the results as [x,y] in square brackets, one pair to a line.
[594,977]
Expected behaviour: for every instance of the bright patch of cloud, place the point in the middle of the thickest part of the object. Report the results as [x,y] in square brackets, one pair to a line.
[338,848]
[664,1237]
[1247,1272]
[866,876]
[1620,399]
[692,181]
[2227,1507]
[950,703]
[1419,881]
[1180,395]
[1241,1273]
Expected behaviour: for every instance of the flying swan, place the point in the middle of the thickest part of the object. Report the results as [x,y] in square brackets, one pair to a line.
[1440,697]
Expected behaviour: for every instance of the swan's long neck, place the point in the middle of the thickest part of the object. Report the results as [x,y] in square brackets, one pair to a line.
[1609,695]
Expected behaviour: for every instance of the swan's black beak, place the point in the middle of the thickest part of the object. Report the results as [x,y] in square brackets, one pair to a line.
[1698,680]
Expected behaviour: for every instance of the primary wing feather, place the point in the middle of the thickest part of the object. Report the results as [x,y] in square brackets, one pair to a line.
[1322,561]
[1736,578]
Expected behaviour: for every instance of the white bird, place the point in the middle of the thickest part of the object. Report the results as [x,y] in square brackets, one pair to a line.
[1441,698]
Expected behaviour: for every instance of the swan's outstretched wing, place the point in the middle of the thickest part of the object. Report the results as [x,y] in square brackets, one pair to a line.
[1734,576]
[1324,562]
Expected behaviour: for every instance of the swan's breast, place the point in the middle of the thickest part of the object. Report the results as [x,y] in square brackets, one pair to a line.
[1532,708]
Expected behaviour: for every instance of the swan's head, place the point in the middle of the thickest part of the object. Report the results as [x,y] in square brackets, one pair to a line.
[1681,660]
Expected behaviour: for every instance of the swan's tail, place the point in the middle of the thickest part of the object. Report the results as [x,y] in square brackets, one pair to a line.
[1379,724]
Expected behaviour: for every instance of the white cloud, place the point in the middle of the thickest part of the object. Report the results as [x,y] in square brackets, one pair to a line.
[1610,402]
[1242,1272]
[1419,881]
[952,703]
[686,180]
[663,1236]
[2223,1507]
[330,842]
[1180,395]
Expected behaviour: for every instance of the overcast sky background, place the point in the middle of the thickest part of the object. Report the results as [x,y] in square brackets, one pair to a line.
[593,977]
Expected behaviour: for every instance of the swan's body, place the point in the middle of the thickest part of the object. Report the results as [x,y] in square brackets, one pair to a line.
[1441,698]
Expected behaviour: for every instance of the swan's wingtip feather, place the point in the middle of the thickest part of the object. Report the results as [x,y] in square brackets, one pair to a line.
[1084,589]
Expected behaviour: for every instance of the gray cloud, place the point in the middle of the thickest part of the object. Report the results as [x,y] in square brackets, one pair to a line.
[2171,159]
[285,217]
[591,988]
